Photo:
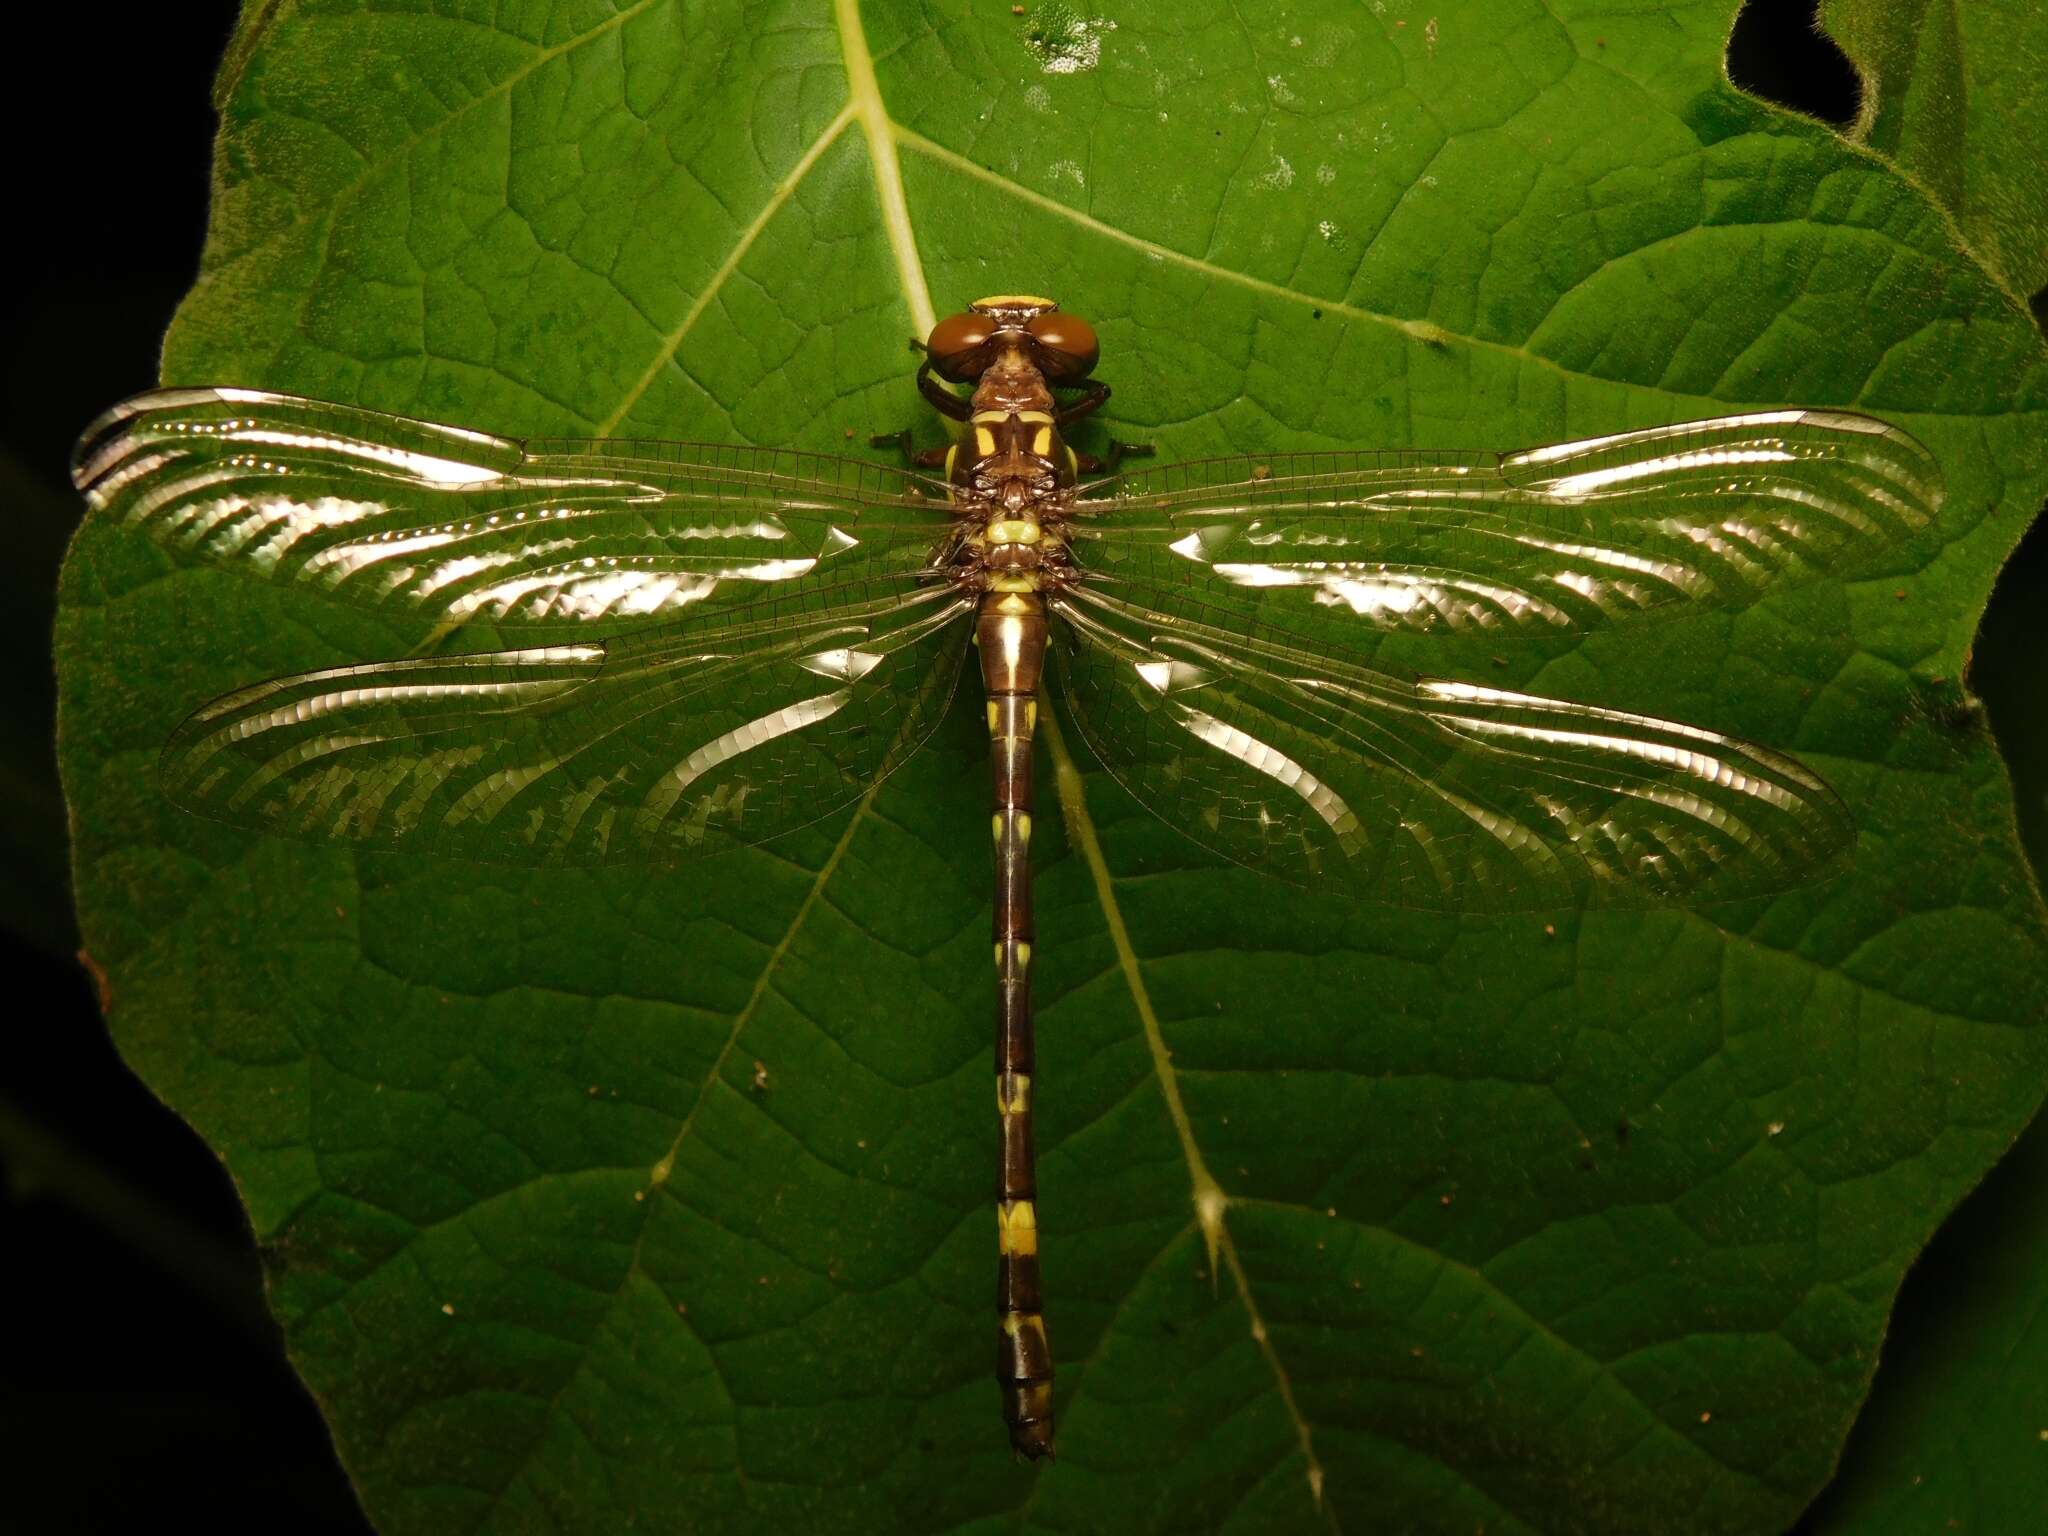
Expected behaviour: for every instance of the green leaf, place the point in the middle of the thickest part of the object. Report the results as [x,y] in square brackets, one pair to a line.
[606,1199]
[1953,95]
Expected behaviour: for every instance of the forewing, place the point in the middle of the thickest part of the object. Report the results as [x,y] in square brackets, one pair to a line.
[1570,536]
[441,524]
[1426,793]
[654,747]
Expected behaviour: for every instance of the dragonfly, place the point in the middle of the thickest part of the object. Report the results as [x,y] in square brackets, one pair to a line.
[722,644]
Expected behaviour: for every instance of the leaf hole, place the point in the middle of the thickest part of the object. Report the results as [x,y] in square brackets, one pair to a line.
[1778,51]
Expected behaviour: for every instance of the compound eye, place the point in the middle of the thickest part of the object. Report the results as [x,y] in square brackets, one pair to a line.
[1065,345]
[959,347]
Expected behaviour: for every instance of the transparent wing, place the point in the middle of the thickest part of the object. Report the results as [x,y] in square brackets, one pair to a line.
[662,745]
[1572,535]
[441,523]
[1425,793]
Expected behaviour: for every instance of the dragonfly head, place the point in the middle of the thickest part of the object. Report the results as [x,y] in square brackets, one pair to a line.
[1013,329]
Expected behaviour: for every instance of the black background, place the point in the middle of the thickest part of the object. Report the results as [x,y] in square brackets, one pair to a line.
[140,1376]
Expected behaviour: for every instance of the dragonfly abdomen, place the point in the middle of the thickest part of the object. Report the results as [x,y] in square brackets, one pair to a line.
[1011,635]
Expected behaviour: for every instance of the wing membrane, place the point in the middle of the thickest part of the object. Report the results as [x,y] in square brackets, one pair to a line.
[436,522]
[649,748]
[1422,792]
[1572,535]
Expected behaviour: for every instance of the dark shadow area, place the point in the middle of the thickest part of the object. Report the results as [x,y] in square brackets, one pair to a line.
[142,1383]
[2005,672]
[1777,51]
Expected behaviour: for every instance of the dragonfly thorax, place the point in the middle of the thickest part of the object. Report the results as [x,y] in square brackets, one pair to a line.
[1012,455]
[1012,460]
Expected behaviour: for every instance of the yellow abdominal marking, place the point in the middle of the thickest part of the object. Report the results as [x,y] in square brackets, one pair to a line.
[1031,714]
[1016,1324]
[1023,955]
[995,717]
[1017,1232]
[1020,1092]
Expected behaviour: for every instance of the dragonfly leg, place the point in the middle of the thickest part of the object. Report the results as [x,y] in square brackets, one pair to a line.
[1109,463]
[915,457]
[941,399]
[1096,397]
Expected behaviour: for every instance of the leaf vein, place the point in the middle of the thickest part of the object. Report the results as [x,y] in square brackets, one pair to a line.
[1210,1202]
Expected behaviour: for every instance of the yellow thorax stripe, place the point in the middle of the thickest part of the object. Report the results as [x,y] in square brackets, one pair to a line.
[1029,418]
